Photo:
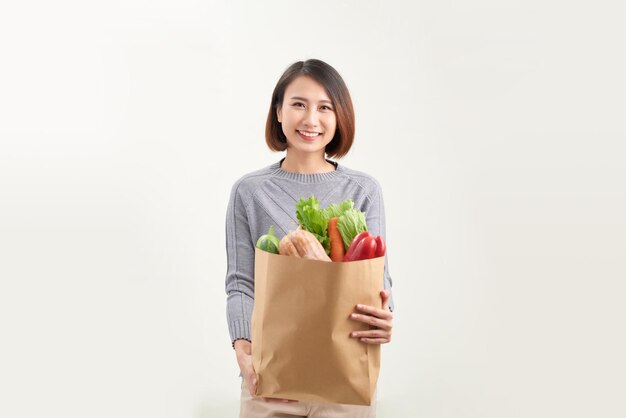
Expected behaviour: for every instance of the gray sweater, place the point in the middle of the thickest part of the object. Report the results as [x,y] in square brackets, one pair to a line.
[268,197]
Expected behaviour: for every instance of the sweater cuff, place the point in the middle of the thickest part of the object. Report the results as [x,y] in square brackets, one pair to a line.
[390,302]
[239,329]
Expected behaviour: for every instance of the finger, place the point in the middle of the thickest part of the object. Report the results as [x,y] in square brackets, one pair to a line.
[374,340]
[371,320]
[372,333]
[384,294]
[252,388]
[252,382]
[377,312]
[278,400]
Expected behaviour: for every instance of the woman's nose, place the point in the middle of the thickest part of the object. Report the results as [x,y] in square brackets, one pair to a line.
[311,117]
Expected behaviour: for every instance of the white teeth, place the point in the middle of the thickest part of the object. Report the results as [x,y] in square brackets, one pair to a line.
[309,134]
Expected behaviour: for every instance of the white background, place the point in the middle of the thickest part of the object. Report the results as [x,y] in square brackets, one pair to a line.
[496,129]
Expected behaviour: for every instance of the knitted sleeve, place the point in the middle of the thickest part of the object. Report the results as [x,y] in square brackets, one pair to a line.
[240,269]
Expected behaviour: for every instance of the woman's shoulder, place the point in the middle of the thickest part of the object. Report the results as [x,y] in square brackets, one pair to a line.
[251,181]
[365,180]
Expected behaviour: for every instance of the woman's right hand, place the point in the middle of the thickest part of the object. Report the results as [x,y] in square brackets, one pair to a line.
[243,348]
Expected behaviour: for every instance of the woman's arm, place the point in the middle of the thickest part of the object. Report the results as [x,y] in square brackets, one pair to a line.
[240,286]
[380,318]
[240,269]
[374,207]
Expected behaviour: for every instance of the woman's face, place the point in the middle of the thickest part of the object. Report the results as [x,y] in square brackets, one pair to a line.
[307,116]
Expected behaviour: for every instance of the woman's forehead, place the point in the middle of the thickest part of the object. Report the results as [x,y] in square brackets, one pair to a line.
[304,87]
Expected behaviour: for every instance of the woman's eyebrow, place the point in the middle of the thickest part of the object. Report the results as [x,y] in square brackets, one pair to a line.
[305,100]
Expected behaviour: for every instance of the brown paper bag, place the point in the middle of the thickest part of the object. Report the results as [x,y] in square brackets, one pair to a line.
[301,344]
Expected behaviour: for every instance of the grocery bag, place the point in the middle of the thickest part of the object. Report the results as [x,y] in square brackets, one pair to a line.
[301,326]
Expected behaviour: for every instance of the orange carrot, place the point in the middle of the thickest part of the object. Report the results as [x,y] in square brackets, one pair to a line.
[336,242]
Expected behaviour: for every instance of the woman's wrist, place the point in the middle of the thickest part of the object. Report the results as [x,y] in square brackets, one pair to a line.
[243,346]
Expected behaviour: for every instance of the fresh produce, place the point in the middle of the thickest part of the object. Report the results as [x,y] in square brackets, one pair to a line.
[353,244]
[268,242]
[302,244]
[381,247]
[315,220]
[338,230]
[337,250]
[311,218]
[365,246]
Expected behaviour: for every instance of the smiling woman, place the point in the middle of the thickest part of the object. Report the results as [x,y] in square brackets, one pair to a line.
[310,100]
[308,122]
[312,119]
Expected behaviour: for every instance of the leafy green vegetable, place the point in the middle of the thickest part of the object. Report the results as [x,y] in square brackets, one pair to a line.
[312,218]
[350,224]
[315,220]
[338,209]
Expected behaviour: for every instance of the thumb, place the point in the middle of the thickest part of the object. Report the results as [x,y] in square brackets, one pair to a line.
[384,294]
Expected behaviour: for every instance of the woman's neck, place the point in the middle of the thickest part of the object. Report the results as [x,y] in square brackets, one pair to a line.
[307,164]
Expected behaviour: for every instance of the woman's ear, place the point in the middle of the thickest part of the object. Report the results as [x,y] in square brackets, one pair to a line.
[278,114]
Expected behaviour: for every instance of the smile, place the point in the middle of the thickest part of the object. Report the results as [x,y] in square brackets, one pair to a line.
[308,135]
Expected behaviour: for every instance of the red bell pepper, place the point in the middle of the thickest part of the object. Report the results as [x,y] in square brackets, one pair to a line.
[354,243]
[380,247]
[365,246]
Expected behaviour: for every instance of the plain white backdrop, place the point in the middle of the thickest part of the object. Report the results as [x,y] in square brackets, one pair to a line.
[496,129]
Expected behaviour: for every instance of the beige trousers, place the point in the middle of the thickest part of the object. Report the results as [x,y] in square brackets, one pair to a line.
[258,408]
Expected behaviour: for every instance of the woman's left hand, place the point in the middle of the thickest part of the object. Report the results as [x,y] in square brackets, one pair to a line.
[380,319]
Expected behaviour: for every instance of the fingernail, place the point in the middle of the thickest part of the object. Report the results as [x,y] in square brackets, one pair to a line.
[359,306]
[353,315]
[354,334]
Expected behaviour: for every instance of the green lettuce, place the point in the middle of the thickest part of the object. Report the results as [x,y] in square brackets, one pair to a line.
[350,224]
[338,209]
[312,218]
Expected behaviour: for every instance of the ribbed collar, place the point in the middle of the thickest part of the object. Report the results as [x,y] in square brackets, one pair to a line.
[277,171]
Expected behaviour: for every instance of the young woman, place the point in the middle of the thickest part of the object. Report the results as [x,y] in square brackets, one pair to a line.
[311,118]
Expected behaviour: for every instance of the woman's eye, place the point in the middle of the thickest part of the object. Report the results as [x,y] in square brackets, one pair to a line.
[326,108]
[297,104]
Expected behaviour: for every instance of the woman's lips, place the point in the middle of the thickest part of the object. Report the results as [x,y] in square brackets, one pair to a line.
[309,138]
